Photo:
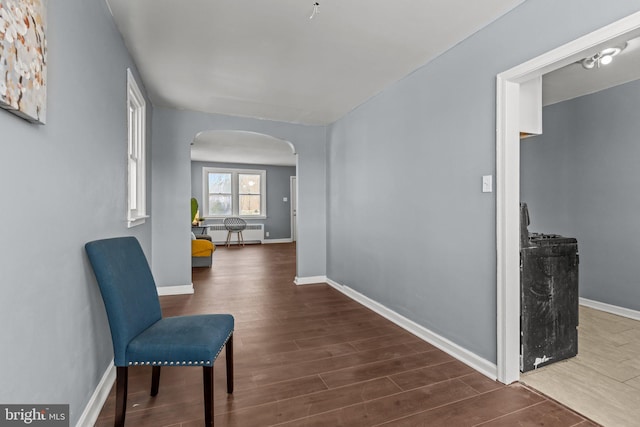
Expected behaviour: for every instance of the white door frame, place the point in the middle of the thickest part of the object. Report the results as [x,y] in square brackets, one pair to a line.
[293,196]
[508,178]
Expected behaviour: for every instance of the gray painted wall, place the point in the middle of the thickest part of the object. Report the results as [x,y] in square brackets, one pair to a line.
[173,131]
[434,131]
[278,221]
[63,184]
[581,178]
[407,224]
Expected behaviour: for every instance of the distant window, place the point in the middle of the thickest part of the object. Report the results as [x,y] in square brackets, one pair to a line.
[234,192]
[220,194]
[136,164]
[249,194]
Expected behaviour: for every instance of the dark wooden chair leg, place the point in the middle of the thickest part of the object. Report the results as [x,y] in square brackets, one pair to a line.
[207,379]
[122,377]
[155,380]
[229,356]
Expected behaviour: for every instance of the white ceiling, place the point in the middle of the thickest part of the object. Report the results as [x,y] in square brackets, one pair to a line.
[266,59]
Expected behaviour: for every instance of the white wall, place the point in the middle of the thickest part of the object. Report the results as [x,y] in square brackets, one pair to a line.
[63,184]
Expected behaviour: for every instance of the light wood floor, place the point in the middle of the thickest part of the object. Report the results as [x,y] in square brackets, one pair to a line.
[603,381]
[310,356]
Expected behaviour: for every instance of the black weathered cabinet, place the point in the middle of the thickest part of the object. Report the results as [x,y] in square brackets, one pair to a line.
[549,302]
[548,298]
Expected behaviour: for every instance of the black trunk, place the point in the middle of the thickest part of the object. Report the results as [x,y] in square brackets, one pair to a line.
[548,299]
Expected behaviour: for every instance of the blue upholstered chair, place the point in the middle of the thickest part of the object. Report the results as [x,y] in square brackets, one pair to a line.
[141,336]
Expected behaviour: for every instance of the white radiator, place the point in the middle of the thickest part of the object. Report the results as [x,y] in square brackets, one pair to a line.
[253,233]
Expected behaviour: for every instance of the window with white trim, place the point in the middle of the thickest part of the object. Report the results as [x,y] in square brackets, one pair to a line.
[234,192]
[136,164]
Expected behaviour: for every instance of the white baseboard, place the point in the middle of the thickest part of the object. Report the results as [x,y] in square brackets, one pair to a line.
[269,241]
[94,406]
[309,280]
[613,309]
[478,363]
[175,290]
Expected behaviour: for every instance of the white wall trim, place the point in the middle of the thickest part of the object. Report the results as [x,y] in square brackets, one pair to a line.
[293,205]
[508,241]
[613,309]
[269,241]
[98,398]
[175,290]
[465,356]
[508,178]
[309,280]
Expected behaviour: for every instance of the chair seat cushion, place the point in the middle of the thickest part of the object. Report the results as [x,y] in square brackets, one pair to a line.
[184,340]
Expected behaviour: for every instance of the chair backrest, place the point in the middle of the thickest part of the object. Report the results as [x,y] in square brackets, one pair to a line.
[127,287]
[234,223]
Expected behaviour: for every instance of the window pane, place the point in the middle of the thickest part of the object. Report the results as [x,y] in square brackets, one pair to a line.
[136,199]
[249,205]
[133,185]
[219,183]
[219,205]
[249,184]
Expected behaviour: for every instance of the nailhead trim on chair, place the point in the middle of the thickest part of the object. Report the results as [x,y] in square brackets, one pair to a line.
[200,363]
[225,342]
[196,363]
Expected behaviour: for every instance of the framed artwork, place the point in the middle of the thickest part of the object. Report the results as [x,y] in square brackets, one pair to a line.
[23,59]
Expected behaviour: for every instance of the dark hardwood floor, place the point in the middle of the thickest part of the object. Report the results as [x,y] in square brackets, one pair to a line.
[310,356]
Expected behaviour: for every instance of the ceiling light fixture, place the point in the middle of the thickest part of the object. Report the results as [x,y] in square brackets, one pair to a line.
[316,10]
[604,57]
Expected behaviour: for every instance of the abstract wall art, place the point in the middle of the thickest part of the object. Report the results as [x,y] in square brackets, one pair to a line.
[23,59]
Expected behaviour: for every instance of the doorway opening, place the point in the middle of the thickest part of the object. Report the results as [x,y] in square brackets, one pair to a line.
[244,174]
[511,92]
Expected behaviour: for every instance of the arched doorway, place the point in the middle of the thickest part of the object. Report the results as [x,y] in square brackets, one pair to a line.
[237,155]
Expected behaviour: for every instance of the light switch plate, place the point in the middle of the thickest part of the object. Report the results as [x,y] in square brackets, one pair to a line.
[285,199]
[487,183]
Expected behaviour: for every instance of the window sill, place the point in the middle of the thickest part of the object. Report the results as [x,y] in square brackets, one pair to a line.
[132,222]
